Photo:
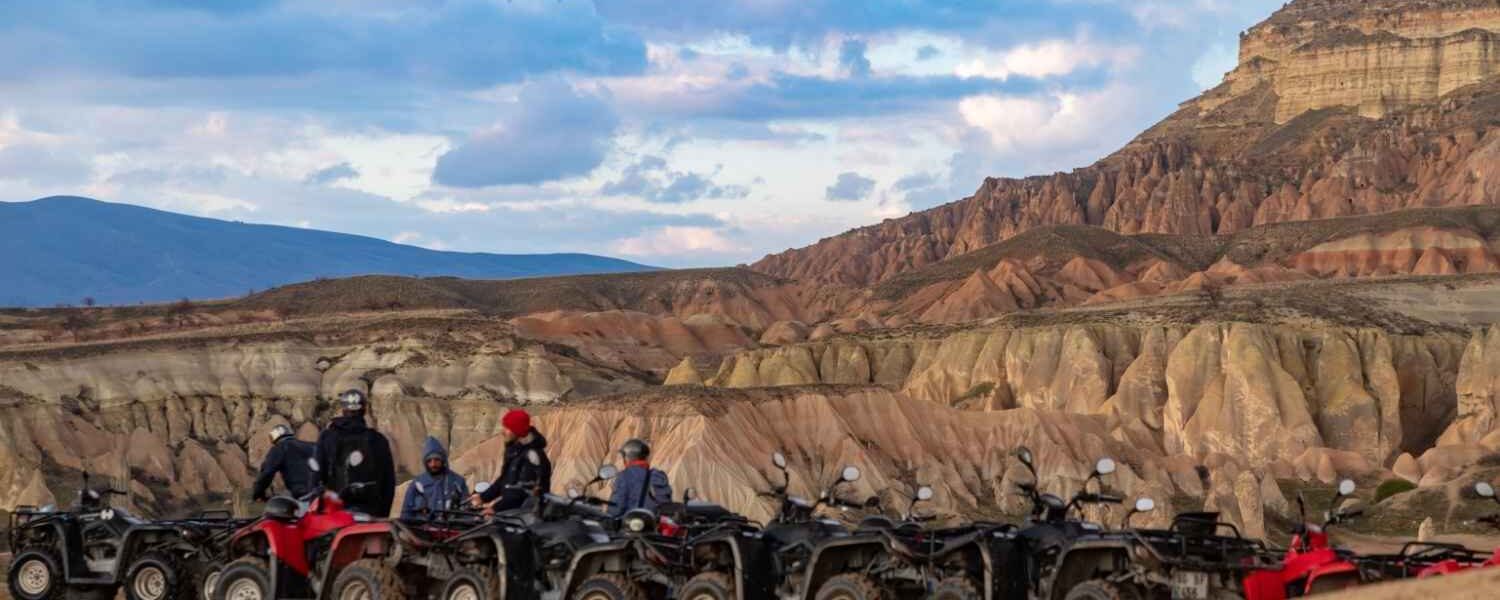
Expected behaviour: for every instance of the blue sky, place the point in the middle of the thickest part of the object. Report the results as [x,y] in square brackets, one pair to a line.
[667,132]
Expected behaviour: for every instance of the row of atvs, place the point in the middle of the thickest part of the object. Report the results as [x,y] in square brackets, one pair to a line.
[567,547]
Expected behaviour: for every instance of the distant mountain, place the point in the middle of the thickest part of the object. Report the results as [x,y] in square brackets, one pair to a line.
[63,249]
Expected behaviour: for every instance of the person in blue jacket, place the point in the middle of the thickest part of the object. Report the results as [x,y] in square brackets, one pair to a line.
[639,485]
[437,488]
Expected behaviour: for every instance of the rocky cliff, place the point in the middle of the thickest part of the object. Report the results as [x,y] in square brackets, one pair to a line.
[1337,108]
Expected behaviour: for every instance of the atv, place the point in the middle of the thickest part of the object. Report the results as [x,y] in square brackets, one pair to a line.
[1311,565]
[1433,559]
[307,548]
[526,553]
[650,555]
[737,560]
[92,549]
[904,559]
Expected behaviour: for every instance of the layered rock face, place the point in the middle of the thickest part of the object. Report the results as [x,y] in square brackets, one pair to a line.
[1289,136]
[1377,56]
[186,420]
[1267,395]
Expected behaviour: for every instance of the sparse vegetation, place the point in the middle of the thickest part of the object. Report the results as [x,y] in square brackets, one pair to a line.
[1392,487]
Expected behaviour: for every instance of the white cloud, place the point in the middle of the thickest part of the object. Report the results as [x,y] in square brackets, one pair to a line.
[1047,58]
[673,240]
[1059,120]
[1209,69]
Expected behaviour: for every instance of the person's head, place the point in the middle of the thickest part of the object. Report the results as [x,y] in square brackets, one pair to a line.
[516,424]
[634,450]
[353,402]
[279,432]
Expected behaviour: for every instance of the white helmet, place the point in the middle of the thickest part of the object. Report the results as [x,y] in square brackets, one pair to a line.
[279,431]
[352,400]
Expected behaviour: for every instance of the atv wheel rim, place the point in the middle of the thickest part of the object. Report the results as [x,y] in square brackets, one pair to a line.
[244,589]
[356,590]
[210,581]
[464,592]
[34,578]
[150,583]
[704,596]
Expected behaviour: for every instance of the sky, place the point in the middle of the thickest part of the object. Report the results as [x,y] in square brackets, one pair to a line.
[666,132]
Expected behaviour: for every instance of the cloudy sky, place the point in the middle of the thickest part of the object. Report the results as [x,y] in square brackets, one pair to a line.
[668,132]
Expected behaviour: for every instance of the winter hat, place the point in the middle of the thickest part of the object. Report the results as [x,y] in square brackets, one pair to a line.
[517,421]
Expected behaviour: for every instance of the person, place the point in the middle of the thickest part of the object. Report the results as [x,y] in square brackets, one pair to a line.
[520,478]
[349,452]
[289,457]
[639,485]
[437,488]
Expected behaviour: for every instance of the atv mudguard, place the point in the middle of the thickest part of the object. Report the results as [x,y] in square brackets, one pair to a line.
[514,560]
[820,565]
[753,567]
[594,559]
[353,543]
[1082,560]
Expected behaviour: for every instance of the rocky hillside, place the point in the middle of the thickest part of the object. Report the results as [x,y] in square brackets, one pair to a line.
[1337,108]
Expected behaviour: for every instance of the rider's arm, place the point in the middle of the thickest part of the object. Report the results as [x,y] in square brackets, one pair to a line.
[409,505]
[268,469]
[386,479]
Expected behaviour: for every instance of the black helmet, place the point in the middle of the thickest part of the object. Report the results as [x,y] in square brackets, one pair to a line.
[635,449]
[282,508]
[352,400]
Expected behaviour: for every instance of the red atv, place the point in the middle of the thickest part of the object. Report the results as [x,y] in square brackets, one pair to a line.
[1462,559]
[1310,565]
[273,556]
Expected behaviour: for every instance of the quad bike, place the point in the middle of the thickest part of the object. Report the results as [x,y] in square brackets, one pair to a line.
[312,547]
[1054,556]
[526,553]
[1311,565]
[1431,559]
[650,555]
[905,558]
[739,560]
[92,549]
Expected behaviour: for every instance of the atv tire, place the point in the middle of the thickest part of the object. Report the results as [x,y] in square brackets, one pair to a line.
[1099,589]
[204,577]
[471,583]
[156,576]
[368,579]
[850,586]
[708,586]
[955,588]
[36,575]
[609,586]
[247,578]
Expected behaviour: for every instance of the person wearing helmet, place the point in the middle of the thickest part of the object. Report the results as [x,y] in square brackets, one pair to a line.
[289,457]
[352,455]
[638,485]
[437,488]
[525,470]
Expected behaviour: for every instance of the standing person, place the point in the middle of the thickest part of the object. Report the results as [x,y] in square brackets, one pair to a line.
[288,456]
[438,488]
[639,485]
[519,476]
[350,452]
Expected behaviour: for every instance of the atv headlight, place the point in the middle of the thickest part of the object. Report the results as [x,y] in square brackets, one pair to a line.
[639,521]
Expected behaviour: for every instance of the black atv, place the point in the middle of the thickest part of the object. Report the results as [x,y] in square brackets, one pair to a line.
[904,558]
[740,560]
[93,549]
[1056,557]
[526,553]
[650,554]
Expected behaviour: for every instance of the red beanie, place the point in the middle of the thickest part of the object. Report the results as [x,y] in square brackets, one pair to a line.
[517,421]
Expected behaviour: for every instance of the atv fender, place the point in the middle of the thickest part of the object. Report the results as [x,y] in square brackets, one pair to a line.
[132,544]
[61,543]
[1338,570]
[509,553]
[355,542]
[611,556]
[1087,560]
[833,558]
[747,560]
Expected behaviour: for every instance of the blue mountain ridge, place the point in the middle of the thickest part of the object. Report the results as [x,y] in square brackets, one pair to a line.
[62,249]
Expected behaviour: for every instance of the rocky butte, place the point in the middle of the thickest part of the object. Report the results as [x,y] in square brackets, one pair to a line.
[1293,278]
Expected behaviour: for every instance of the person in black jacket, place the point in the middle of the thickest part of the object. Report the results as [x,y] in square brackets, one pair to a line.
[349,452]
[520,477]
[288,456]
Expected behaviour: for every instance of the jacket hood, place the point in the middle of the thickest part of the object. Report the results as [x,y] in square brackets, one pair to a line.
[432,448]
[349,423]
